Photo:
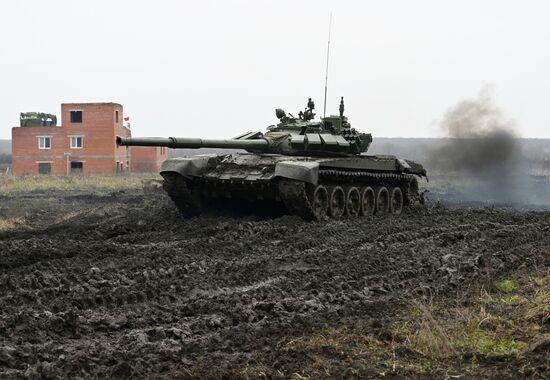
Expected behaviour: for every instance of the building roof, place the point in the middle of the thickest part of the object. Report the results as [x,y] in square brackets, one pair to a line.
[92,104]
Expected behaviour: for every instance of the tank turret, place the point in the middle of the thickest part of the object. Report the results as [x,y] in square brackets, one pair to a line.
[314,168]
[332,136]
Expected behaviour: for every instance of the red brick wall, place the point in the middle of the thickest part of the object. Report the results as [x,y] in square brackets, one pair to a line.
[99,153]
[122,153]
[148,159]
[26,154]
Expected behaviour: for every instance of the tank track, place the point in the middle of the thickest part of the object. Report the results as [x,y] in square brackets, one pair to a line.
[185,197]
[294,196]
[347,175]
[298,196]
[407,182]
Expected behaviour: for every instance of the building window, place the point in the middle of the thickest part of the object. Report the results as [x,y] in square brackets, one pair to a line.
[77,167]
[44,142]
[116,116]
[76,116]
[77,142]
[44,168]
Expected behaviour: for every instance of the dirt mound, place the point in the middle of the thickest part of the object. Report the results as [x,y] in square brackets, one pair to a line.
[120,285]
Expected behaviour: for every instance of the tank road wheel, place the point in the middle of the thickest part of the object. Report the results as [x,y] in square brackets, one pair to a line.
[319,202]
[353,202]
[382,201]
[337,204]
[396,201]
[367,201]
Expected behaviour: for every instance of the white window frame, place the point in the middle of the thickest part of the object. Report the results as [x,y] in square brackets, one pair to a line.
[76,137]
[43,138]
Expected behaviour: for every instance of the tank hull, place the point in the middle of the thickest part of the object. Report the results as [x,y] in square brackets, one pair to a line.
[313,188]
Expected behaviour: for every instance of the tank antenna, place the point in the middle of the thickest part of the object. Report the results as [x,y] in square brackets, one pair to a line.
[326,72]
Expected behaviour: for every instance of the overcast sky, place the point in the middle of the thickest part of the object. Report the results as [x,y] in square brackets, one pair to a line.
[219,68]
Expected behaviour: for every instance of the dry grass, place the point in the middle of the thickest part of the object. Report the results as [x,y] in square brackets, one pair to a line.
[508,320]
[255,371]
[500,322]
[12,185]
[342,340]
[426,334]
[538,307]
[345,345]
[10,224]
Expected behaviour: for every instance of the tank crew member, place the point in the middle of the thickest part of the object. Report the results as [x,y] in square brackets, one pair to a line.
[308,113]
[310,104]
[342,107]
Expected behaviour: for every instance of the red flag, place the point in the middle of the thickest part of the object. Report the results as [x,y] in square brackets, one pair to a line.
[127,118]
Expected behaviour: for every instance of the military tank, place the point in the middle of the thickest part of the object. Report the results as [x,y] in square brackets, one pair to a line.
[316,169]
[37,119]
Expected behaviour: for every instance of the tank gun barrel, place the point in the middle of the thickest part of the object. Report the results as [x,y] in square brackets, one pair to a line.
[194,143]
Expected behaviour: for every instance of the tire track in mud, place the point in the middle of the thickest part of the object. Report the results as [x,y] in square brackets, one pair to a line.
[132,292]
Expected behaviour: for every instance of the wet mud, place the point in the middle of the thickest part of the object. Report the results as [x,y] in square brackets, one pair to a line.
[120,286]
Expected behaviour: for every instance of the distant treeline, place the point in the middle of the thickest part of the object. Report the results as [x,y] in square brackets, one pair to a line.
[5,146]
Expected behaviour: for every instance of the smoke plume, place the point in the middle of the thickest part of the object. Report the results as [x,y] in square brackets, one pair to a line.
[481,139]
[482,157]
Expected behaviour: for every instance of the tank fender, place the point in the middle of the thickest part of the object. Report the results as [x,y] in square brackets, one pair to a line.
[402,165]
[186,166]
[298,170]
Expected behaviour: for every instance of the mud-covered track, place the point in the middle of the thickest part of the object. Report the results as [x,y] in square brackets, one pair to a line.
[340,193]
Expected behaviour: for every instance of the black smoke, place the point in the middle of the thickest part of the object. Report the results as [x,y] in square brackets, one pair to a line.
[481,140]
[482,158]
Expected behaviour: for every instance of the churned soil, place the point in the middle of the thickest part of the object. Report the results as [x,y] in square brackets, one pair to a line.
[118,285]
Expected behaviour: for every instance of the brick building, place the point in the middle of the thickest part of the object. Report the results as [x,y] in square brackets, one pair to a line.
[147,159]
[83,143]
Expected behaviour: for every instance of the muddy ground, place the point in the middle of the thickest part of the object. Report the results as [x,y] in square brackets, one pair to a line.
[118,285]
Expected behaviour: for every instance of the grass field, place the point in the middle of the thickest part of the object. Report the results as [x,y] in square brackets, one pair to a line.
[13,185]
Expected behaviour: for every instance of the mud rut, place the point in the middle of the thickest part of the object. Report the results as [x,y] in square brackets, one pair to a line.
[121,286]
